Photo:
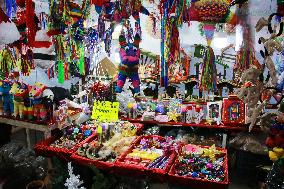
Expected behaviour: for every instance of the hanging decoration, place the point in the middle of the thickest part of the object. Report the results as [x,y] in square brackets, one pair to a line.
[11,7]
[213,11]
[128,68]
[173,14]
[7,25]
[7,62]
[209,72]
[209,30]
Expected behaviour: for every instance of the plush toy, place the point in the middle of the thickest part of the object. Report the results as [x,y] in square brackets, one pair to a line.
[52,96]
[7,97]
[129,54]
[20,93]
[35,96]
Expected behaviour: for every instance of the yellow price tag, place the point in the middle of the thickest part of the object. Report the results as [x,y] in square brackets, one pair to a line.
[105,111]
[99,129]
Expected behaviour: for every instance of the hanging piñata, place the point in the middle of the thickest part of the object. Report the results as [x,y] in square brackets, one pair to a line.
[128,68]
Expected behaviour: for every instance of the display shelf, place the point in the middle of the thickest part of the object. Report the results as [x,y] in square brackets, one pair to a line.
[239,128]
[46,129]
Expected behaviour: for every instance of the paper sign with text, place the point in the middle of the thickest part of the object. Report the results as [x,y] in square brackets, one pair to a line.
[105,111]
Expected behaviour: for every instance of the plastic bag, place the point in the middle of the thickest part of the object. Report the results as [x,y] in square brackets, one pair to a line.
[19,166]
[250,143]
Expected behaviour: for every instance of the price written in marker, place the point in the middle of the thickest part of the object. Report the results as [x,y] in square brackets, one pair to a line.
[105,111]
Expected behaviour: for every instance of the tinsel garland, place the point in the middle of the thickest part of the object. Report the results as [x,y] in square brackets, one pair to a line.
[7,62]
[174,13]
[82,60]
[208,80]
[60,72]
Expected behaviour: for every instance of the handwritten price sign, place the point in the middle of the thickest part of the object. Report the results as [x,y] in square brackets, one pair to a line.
[105,111]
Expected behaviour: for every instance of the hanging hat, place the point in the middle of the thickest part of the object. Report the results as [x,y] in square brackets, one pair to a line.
[8,30]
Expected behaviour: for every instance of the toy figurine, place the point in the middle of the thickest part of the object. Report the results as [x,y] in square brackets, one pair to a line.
[7,97]
[20,92]
[129,54]
[35,96]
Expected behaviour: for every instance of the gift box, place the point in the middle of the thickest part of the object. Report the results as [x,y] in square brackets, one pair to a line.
[139,170]
[233,111]
[198,182]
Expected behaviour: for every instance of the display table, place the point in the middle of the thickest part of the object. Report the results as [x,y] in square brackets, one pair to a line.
[46,129]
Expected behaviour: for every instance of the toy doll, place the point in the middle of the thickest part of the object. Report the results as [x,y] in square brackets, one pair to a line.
[129,54]
[7,97]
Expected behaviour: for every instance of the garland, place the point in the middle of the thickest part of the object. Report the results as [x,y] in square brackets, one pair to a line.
[209,72]
[7,62]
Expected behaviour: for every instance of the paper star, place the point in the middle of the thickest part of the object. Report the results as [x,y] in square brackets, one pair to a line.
[173,116]
[211,152]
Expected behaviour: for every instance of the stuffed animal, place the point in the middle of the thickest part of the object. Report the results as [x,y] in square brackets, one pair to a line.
[35,96]
[7,97]
[52,96]
[128,68]
[20,92]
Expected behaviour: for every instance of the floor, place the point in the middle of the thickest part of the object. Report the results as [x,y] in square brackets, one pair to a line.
[236,182]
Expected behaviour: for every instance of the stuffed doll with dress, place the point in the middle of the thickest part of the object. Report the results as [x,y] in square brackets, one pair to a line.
[8,105]
[128,68]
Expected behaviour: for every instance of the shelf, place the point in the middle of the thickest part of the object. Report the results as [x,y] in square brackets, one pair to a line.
[238,128]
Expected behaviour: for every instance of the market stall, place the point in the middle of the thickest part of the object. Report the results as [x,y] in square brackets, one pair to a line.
[162,91]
